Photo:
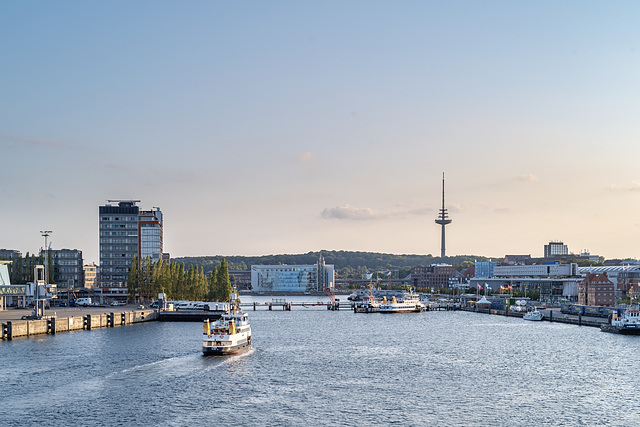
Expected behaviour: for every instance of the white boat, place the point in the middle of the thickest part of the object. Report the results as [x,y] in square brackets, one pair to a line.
[533,315]
[627,324]
[409,302]
[369,304]
[230,334]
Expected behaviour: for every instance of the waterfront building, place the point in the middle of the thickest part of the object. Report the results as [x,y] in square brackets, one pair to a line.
[150,232]
[437,276]
[484,268]
[126,232]
[90,276]
[554,281]
[555,248]
[293,278]
[241,279]
[625,277]
[516,259]
[9,254]
[68,271]
[596,289]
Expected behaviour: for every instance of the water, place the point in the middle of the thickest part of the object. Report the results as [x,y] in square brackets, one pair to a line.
[316,367]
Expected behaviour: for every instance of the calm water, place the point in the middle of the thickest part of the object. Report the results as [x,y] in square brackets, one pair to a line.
[315,367]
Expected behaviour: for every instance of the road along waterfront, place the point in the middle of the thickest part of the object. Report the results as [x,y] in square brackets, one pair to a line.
[314,367]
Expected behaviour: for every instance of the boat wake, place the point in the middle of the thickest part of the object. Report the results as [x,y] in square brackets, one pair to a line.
[158,364]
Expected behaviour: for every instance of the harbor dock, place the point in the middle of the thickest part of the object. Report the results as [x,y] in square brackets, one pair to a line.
[70,319]
[59,319]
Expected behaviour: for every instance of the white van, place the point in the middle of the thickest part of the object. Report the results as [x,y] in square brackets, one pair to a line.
[183,305]
[84,302]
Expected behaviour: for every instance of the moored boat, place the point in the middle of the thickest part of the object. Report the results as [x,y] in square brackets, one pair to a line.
[230,334]
[533,315]
[369,304]
[627,324]
[409,302]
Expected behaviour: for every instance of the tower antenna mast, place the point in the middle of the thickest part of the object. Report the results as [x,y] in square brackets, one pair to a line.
[443,220]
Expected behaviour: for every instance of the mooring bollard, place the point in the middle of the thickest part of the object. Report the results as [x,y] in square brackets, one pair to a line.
[51,326]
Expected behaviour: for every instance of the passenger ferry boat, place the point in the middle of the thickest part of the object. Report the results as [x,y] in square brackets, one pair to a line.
[410,302]
[628,323]
[230,334]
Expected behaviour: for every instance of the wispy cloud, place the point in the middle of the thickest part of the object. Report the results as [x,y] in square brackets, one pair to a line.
[527,178]
[348,212]
[307,157]
[634,187]
[36,142]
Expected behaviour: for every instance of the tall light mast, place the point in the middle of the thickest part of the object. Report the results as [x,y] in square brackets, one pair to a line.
[443,220]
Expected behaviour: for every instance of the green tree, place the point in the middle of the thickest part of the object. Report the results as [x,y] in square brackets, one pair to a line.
[223,284]
[133,281]
[212,284]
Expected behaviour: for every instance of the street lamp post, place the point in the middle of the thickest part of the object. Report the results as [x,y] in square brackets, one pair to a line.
[45,234]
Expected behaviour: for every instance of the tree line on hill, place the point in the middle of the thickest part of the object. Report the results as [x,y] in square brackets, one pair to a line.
[348,264]
[148,278]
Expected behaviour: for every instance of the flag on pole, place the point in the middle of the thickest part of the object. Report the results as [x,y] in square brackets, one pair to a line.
[479,286]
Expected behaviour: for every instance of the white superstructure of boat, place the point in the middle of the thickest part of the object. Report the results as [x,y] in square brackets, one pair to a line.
[627,324]
[533,315]
[369,304]
[230,334]
[409,302]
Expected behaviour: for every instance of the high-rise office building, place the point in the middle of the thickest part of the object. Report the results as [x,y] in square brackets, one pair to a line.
[125,232]
[67,268]
[555,248]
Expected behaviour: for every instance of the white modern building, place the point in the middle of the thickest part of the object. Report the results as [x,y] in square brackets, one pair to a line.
[292,278]
[555,281]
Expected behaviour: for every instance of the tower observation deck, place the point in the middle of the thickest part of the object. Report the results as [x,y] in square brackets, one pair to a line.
[443,220]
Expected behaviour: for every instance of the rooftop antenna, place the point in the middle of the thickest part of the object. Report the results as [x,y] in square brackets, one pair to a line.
[443,220]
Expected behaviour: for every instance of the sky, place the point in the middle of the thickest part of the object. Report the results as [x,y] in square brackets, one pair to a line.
[270,127]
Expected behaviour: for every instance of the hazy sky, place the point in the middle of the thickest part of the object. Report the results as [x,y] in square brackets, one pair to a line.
[263,127]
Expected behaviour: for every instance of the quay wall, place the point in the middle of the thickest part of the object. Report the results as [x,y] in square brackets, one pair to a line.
[549,316]
[54,324]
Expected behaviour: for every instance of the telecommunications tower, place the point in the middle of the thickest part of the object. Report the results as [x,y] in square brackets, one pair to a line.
[443,220]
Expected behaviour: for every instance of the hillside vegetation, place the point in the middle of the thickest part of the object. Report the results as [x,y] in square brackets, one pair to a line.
[347,264]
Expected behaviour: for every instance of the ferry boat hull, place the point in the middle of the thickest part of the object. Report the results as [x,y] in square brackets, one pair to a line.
[366,309]
[627,324]
[412,309]
[230,350]
[623,330]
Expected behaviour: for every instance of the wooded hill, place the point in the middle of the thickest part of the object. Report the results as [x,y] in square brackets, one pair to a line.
[347,264]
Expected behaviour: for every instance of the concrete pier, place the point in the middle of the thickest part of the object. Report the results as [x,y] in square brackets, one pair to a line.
[87,319]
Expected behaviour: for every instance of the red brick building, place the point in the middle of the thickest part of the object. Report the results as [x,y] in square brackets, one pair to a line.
[598,290]
[434,276]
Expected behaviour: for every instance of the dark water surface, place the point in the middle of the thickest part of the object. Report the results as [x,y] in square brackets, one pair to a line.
[314,367]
